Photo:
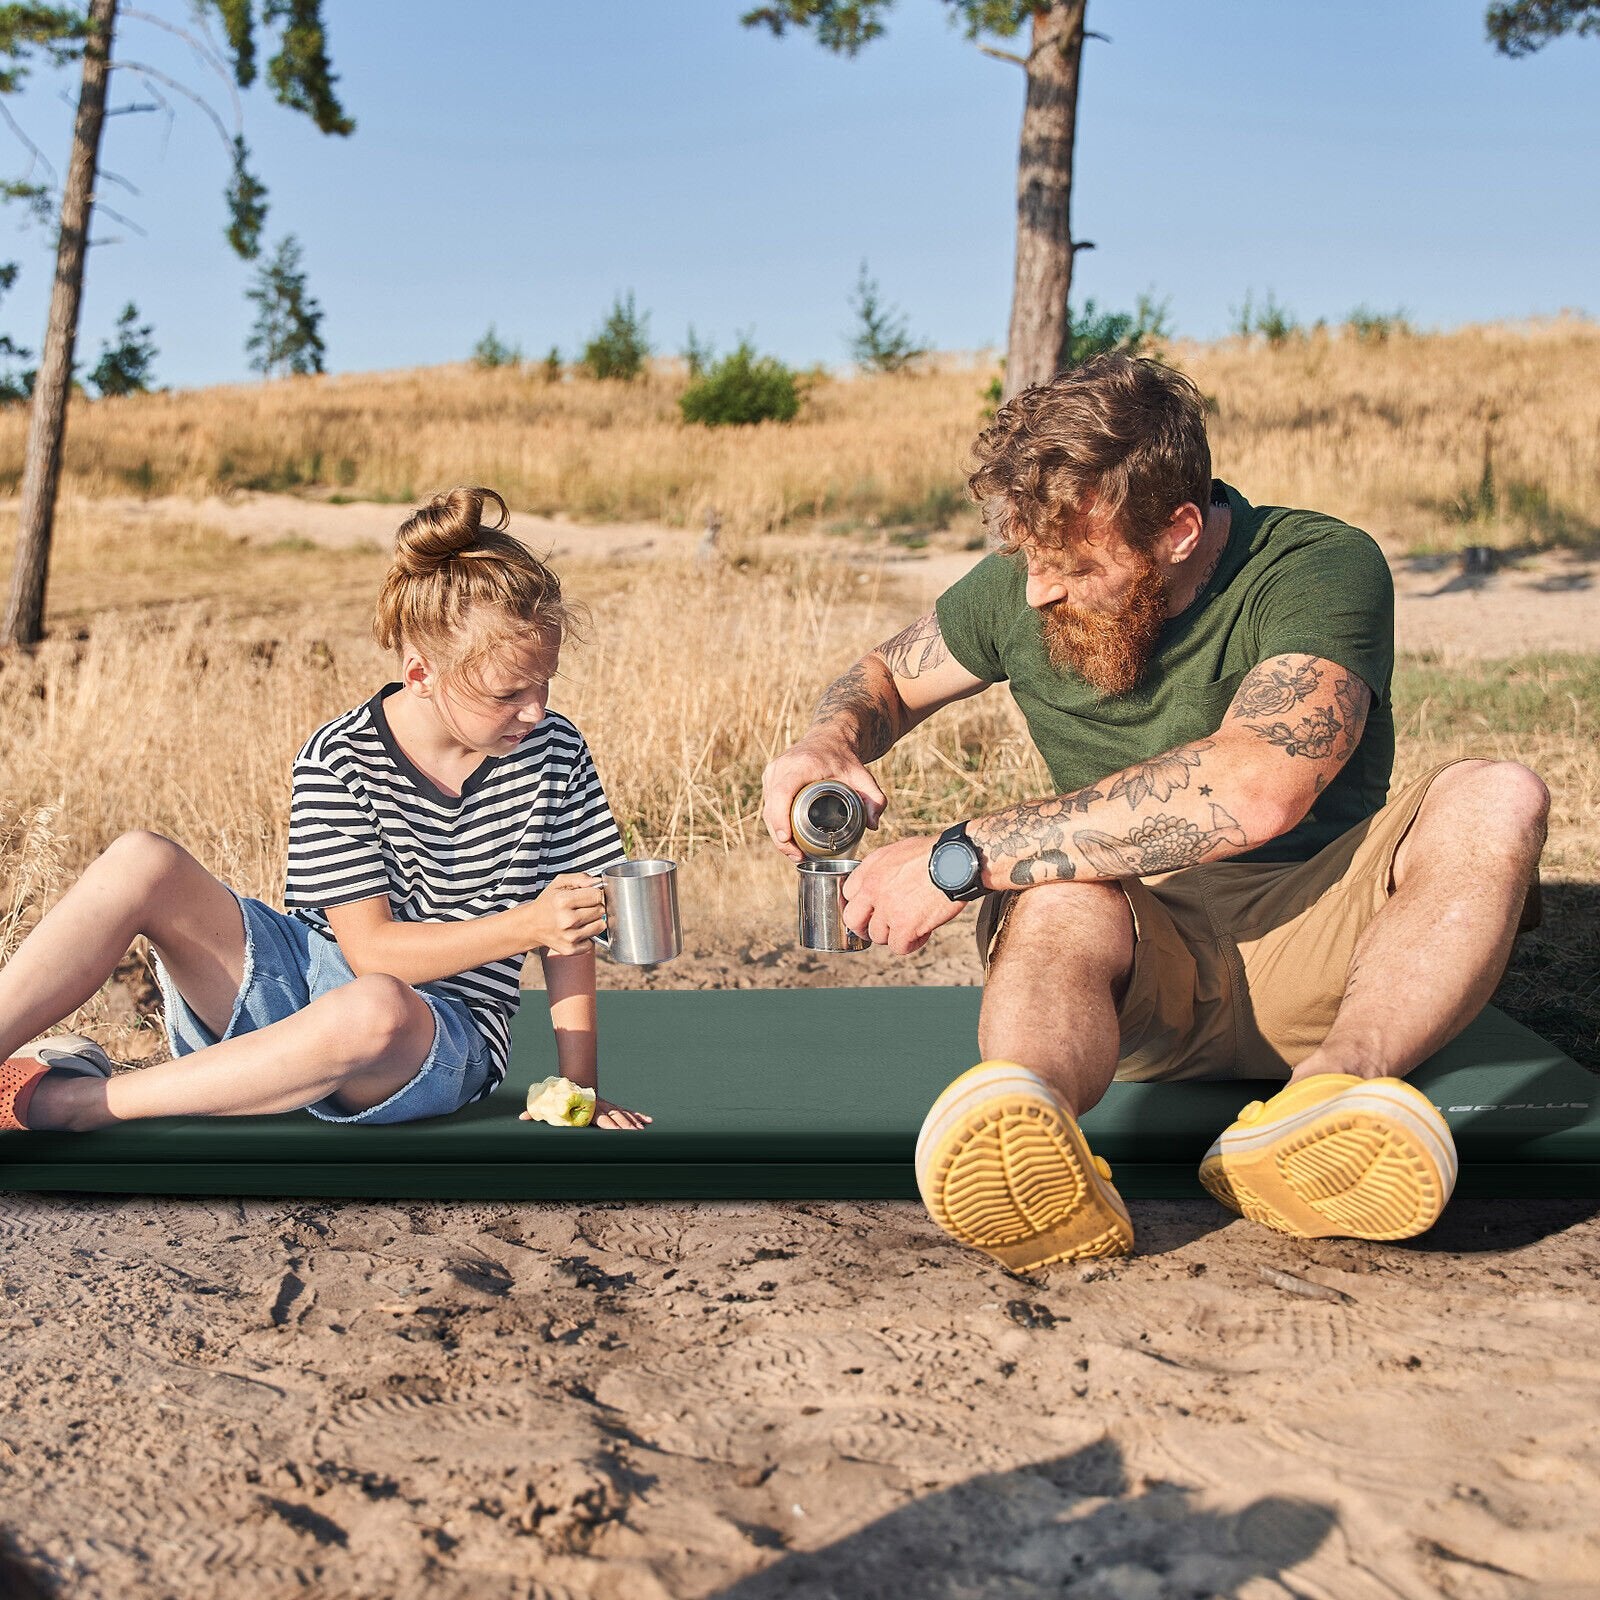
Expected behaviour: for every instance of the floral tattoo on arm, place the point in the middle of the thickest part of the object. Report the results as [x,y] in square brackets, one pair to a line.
[1158,844]
[1328,730]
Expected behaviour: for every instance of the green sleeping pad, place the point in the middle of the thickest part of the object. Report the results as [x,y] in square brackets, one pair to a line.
[801,1094]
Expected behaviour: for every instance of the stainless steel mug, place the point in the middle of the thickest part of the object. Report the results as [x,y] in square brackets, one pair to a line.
[642,925]
[827,819]
[822,924]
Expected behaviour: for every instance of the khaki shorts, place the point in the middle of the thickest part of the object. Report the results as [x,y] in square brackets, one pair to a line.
[1239,967]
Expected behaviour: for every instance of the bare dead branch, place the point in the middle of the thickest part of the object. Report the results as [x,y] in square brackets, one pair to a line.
[116,216]
[204,48]
[119,180]
[1005,55]
[153,76]
[35,154]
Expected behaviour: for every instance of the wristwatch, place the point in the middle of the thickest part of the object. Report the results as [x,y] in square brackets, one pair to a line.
[955,866]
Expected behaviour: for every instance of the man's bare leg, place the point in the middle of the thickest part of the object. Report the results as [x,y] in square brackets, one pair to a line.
[1050,1001]
[1430,959]
[1347,1148]
[1001,1163]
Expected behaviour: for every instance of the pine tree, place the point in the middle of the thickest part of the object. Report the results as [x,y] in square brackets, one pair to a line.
[125,366]
[286,337]
[301,77]
[880,342]
[1039,342]
[16,380]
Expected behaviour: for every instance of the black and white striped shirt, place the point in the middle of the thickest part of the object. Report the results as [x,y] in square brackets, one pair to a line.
[363,821]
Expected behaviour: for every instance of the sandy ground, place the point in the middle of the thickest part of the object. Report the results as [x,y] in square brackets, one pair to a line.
[206,1397]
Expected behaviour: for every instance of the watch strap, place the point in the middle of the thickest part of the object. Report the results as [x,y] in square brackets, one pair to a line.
[975,888]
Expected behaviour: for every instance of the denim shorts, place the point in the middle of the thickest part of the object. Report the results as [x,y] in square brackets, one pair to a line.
[287,965]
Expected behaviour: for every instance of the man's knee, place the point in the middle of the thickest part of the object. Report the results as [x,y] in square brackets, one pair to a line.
[1504,796]
[1088,923]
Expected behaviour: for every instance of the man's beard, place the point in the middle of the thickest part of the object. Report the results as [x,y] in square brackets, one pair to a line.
[1108,649]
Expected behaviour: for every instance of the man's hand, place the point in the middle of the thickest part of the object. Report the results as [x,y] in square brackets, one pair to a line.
[813,759]
[567,915]
[892,900]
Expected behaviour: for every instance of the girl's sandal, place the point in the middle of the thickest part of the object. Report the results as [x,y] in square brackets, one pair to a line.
[21,1074]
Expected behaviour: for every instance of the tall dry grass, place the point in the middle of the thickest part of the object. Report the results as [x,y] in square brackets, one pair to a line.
[185,716]
[1395,437]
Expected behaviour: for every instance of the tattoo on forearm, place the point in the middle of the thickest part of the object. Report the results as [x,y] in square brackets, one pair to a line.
[853,695]
[1274,688]
[1159,844]
[916,649]
[1157,778]
[1034,831]
[1049,866]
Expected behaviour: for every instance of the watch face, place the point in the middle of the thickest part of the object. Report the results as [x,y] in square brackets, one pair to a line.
[951,865]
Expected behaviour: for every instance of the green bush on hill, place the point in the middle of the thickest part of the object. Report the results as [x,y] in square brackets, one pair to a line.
[742,388]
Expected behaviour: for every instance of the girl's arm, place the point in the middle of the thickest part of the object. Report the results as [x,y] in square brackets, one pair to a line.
[569,987]
[561,920]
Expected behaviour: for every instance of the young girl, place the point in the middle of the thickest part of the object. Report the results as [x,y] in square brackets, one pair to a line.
[436,834]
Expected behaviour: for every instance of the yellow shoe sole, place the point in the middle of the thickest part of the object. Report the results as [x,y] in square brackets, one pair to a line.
[1371,1160]
[1001,1167]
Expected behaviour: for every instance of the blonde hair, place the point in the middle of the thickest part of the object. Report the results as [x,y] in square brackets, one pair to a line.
[461,590]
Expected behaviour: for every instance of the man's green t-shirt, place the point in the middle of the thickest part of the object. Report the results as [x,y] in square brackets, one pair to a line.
[1289,582]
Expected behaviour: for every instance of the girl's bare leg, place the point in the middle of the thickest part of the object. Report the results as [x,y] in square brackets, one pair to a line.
[142,884]
[359,1043]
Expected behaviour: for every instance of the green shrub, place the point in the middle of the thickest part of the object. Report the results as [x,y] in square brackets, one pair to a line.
[620,349]
[492,351]
[1376,327]
[1276,323]
[698,354]
[881,342]
[742,388]
[1141,331]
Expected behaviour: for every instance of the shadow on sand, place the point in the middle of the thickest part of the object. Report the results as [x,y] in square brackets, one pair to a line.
[1032,1531]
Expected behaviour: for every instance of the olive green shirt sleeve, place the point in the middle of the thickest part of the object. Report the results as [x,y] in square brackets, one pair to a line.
[1332,597]
[974,618]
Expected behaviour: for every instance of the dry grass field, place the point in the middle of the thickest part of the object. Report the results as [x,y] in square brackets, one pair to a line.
[184,667]
[180,709]
[1490,435]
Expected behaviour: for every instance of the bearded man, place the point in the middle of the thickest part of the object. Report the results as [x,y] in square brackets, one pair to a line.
[1221,887]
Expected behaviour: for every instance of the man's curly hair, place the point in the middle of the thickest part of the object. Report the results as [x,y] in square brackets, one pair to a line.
[1120,440]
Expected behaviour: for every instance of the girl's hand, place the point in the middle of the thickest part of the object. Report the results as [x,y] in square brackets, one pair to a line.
[567,915]
[607,1115]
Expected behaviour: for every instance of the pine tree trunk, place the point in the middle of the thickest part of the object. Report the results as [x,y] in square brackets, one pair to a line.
[47,422]
[1040,330]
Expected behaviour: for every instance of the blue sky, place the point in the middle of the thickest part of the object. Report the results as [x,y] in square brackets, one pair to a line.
[529,160]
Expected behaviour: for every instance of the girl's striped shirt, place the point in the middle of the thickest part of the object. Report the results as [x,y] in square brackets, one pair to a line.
[363,821]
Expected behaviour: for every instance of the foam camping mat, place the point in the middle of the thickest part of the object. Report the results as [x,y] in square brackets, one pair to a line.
[789,1094]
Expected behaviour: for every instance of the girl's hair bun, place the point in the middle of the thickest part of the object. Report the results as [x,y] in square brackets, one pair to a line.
[460,589]
[446,528]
